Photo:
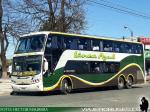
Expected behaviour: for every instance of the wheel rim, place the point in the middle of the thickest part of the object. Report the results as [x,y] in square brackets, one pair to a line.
[130,82]
[121,83]
[67,87]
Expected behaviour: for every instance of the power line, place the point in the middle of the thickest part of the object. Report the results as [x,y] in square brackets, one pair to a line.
[121,6]
[121,9]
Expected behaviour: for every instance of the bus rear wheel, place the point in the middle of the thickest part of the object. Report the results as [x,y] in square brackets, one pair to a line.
[121,83]
[66,86]
[129,83]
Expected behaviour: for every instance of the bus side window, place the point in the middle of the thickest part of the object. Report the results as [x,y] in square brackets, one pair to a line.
[77,67]
[95,45]
[132,48]
[113,67]
[110,67]
[74,44]
[139,49]
[54,42]
[122,48]
[97,67]
[94,67]
[70,43]
[127,48]
[49,42]
[116,47]
[88,44]
[67,43]
[60,42]
[105,67]
[108,46]
[82,44]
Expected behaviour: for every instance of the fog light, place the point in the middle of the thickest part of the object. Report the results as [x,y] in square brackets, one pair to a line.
[35,80]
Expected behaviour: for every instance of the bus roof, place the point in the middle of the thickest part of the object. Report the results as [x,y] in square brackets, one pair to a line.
[80,35]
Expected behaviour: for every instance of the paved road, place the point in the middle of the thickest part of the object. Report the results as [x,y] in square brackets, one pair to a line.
[99,98]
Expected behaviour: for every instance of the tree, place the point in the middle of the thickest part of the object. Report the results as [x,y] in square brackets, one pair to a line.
[18,17]
[11,26]
[4,46]
[65,16]
[53,15]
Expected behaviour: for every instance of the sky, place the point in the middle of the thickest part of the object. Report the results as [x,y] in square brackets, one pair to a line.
[102,21]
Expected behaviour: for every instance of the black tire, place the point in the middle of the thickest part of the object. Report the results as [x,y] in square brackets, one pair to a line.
[121,83]
[14,93]
[66,87]
[129,83]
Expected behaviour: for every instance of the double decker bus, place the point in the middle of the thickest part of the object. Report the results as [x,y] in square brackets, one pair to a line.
[49,61]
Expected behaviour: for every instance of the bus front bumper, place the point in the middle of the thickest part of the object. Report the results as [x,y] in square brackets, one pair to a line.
[27,88]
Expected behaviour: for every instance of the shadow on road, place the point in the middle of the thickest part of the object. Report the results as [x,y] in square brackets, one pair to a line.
[76,91]
[101,89]
[35,93]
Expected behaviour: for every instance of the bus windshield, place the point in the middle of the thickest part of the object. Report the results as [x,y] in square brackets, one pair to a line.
[27,63]
[30,44]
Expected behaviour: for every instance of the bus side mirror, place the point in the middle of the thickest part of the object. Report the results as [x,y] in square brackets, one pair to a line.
[45,66]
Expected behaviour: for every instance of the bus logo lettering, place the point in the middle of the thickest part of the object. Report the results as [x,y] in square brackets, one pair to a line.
[102,56]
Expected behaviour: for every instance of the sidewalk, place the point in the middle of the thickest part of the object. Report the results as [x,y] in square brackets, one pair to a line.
[5,87]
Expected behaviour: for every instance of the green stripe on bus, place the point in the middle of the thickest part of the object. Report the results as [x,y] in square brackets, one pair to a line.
[95,78]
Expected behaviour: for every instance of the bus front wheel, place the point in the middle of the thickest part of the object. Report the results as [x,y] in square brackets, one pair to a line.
[121,83]
[66,86]
[14,93]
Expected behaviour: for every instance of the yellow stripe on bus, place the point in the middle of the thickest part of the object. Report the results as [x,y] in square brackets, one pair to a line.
[95,37]
[91,83]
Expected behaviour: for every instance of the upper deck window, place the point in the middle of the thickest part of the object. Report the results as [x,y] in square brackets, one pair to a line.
[70,43]
[95,45]
[108,46]
[139,49]
[83,44]
[31,44]
[54,42]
